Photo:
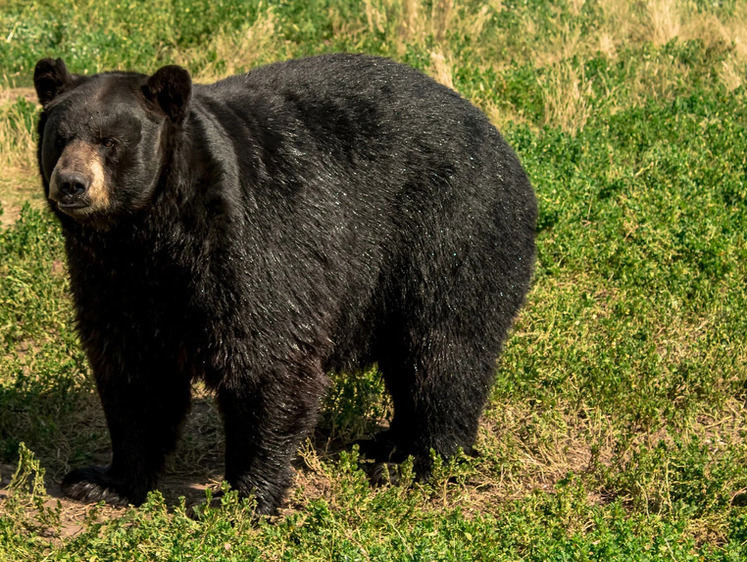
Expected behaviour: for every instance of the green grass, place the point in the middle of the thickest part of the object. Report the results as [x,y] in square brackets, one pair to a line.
[616,428]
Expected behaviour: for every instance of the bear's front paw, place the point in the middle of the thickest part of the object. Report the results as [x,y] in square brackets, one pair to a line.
[94,484]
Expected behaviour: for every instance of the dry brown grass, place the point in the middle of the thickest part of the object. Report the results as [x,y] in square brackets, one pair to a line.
[664,20]
[730,35]
[567,95]
[410,20]
[656,21]
[441,68]
[19,181]
[625,23]
[233,52]
[16,143]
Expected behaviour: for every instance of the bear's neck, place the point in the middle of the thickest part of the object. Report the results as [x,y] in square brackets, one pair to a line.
[201,179]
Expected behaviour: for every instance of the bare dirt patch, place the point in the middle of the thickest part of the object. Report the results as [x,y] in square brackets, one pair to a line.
[12,94]
[14,194]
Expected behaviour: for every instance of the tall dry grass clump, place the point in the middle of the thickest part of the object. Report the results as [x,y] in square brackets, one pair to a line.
[19,178]
[568,95]
[17,144]
[728,34]
[661,21]
[233,51]
[406,21]
[442,69]
[664,20]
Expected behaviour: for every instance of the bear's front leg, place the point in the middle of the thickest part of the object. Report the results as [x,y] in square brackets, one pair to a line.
[264,425]
[144,413]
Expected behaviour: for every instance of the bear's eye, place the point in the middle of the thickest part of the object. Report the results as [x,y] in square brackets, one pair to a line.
[108,143]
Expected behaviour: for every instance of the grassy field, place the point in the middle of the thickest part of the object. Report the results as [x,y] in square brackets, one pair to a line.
[617,428]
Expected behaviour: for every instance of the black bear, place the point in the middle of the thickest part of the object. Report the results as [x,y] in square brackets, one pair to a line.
[314,215]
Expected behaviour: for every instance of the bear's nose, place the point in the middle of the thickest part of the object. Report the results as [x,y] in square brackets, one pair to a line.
[71,186]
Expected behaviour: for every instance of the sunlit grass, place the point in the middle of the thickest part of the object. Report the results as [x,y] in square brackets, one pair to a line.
[616,427]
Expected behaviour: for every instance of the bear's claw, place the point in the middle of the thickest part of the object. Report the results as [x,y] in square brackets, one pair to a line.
[93,484]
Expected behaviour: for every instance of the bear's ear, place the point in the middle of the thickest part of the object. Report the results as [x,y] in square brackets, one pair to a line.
[51,78]
[170,88]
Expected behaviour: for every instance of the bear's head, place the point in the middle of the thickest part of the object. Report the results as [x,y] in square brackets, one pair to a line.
[102,138]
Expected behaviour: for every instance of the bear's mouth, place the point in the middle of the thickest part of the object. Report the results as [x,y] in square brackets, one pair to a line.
[72,205]
[75,208]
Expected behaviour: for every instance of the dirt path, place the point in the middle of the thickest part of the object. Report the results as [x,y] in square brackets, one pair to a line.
[74,515]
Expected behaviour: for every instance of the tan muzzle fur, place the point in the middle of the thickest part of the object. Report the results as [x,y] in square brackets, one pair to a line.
[84,159]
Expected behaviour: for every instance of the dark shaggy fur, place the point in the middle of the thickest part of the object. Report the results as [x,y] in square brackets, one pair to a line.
[314,215]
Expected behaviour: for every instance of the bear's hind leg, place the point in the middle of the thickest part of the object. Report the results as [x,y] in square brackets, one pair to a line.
[439,387]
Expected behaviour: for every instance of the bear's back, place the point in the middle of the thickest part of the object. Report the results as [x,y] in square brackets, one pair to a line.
[365,114]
